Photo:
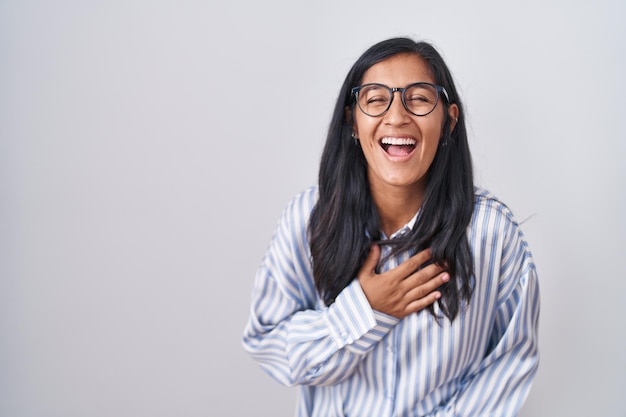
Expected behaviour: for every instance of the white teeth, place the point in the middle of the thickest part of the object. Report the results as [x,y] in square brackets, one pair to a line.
[398,141]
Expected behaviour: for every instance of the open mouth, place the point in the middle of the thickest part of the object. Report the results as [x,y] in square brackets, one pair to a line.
[398,146]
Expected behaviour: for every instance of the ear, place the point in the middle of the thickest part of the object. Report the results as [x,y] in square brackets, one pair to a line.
[453,113]
[348,116]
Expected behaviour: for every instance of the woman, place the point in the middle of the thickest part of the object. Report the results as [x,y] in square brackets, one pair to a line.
[395,287]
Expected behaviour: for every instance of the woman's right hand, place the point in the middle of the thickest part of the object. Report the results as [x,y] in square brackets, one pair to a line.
[404,289]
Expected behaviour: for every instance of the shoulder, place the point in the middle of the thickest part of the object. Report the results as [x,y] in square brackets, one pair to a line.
[484,200]
[302,204]
[498,244]
[493,222]
[494,228]
[295,217]
[489,209]
[305,199]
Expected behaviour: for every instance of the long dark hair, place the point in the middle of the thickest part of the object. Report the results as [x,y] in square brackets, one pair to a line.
[345,222]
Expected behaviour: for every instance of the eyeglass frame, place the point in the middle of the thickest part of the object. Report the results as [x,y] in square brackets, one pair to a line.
[440,89]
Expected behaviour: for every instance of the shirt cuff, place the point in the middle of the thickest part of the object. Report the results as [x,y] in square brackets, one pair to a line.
[353,323]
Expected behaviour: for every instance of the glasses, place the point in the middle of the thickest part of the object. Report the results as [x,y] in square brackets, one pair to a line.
[419,99]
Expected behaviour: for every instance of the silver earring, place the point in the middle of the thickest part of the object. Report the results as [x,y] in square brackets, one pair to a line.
[355,138]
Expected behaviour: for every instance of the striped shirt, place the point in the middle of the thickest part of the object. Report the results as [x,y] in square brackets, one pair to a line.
[349,360]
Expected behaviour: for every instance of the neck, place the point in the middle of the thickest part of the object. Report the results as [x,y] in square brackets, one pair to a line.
[396,206]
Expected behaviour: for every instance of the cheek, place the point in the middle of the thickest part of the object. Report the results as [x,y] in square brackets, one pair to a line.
[434,130]
[364,126]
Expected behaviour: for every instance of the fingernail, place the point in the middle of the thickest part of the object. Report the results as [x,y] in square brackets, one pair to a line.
[445,277]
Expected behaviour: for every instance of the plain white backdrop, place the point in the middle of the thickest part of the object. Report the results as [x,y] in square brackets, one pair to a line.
[147,149]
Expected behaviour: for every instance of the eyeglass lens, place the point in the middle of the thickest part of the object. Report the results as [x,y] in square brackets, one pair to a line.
[419,99]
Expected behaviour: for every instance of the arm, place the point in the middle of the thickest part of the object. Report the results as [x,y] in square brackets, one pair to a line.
[501,382]
[312,347]
[293,340]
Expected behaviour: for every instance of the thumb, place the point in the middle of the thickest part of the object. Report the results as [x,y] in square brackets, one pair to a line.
[372,259]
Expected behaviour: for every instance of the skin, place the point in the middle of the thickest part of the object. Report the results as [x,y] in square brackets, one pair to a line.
[398,184]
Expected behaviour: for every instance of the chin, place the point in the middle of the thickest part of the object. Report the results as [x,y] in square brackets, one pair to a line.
[403,182]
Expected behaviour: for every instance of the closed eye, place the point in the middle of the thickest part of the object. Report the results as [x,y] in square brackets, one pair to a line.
[422,99]
[377,99]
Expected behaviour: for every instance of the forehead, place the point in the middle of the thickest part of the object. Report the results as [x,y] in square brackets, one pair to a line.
[399,71]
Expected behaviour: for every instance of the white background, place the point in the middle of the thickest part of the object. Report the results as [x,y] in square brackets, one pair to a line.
[147,149]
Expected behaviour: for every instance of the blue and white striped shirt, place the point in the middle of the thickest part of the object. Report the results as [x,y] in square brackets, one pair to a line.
[349,360]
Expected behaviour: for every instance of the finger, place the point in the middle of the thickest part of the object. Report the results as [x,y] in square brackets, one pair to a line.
[428,287]
[369,266]
[422,276]
[422,303]
[414,262]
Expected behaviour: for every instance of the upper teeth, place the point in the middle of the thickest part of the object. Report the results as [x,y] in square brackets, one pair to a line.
[398,141]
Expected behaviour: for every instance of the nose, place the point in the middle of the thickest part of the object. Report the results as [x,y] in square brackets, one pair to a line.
[397,114]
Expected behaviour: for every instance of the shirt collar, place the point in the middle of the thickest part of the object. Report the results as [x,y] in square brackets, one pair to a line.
[411,222]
